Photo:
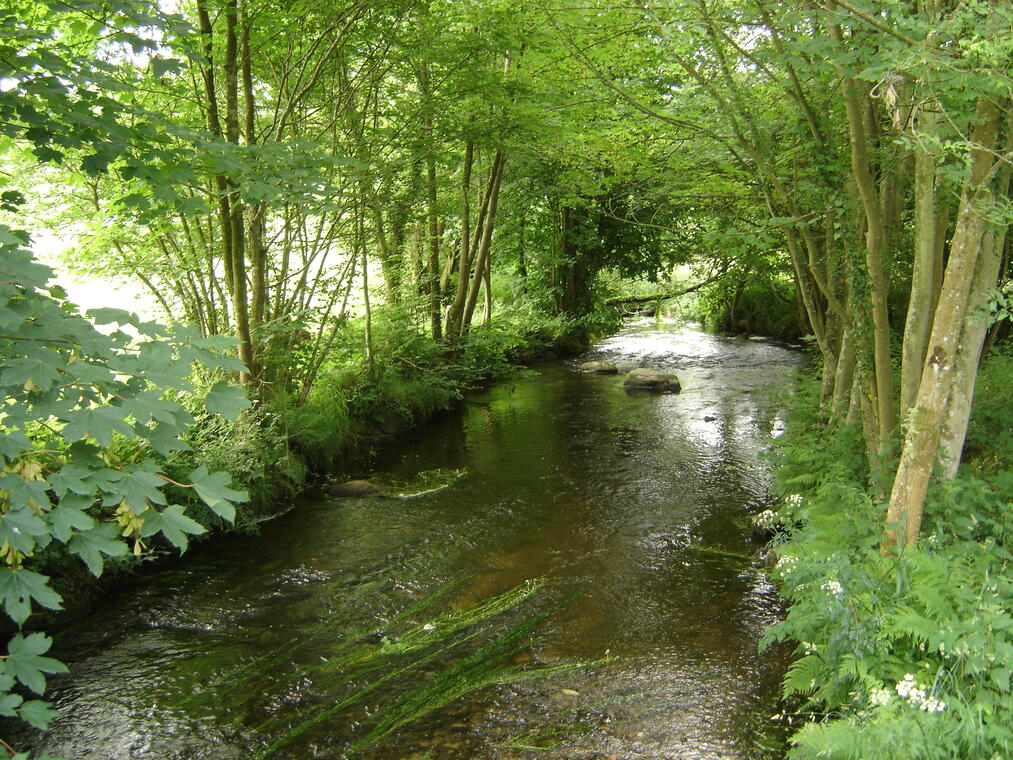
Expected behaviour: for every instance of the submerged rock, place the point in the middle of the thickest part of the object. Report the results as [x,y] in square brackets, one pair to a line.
[353,489]
[652,380]
[599,368]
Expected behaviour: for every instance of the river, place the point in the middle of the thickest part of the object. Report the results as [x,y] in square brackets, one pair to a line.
[639,504]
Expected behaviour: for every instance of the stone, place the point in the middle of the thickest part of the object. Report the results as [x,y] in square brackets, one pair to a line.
[354,489]
[599,368]
[652,380]
[709,418]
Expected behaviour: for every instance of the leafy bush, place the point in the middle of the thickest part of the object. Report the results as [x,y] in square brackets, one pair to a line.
[903,656]
[88,419]
[254,449]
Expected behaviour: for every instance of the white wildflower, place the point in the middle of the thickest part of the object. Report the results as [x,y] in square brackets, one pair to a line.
[879,697]
[786,561]
[793,500]
[833,587]
[916,695]
[906,686]
[766,519]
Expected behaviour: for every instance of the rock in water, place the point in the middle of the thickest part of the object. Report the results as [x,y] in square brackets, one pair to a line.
[354,489]
[600,368]
[652,380]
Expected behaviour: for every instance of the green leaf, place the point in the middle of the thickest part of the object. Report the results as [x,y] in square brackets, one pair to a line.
[91,544]
[136,488]
[173,523]
[106,316]
[13,443]
[1000,677]
[214,490]
[9,703]
[226,400]
[26,663]
[98,423]
[19,587]
[24,493]
[149,405]
[66,519]
[19,527]
[38,713]
[162,66]
[73,478]
[165,439]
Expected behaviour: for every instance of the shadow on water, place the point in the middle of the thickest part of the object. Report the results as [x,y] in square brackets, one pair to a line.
[637,503]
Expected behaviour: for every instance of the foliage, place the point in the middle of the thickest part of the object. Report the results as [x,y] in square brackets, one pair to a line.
[88,418]
[357,401]
[990,436]
[903,656]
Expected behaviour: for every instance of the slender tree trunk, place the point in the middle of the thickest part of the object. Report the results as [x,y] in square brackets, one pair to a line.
[387,263]
[255,213]
[919,310]
[240,304]
[855,100]
[975,330]
[433,262]
[922,441]
[522,259]
[455,314]
[221,186]
[487,289]
[360,244]
[844,378]
[484,246]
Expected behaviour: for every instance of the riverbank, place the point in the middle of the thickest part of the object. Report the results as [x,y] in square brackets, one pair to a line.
[900,657]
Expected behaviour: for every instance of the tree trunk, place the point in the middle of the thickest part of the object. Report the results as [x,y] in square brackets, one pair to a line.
[919,310]
[972,341]
[485,244]
[240,305]
[922,441]
[855,99]
[433,262]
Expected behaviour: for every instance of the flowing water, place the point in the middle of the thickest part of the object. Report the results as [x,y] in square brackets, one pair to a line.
[639,503]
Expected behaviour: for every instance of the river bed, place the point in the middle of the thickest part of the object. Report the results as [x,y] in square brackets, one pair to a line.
[639,504]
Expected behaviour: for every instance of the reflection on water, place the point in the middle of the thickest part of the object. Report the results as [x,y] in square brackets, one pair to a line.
[639,503]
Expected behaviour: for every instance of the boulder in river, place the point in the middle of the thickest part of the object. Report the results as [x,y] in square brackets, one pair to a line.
[354,489]
[599,368]
[652,380]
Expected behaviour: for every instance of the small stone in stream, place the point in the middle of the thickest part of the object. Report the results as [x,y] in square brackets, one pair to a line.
[652,380]
[709,418]
[599,368]
[354,489]
[570,692]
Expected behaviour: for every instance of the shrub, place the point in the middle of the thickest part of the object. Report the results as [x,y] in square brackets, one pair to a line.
[906,656]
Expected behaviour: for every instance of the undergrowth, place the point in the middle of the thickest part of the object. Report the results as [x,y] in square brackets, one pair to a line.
[906,657]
